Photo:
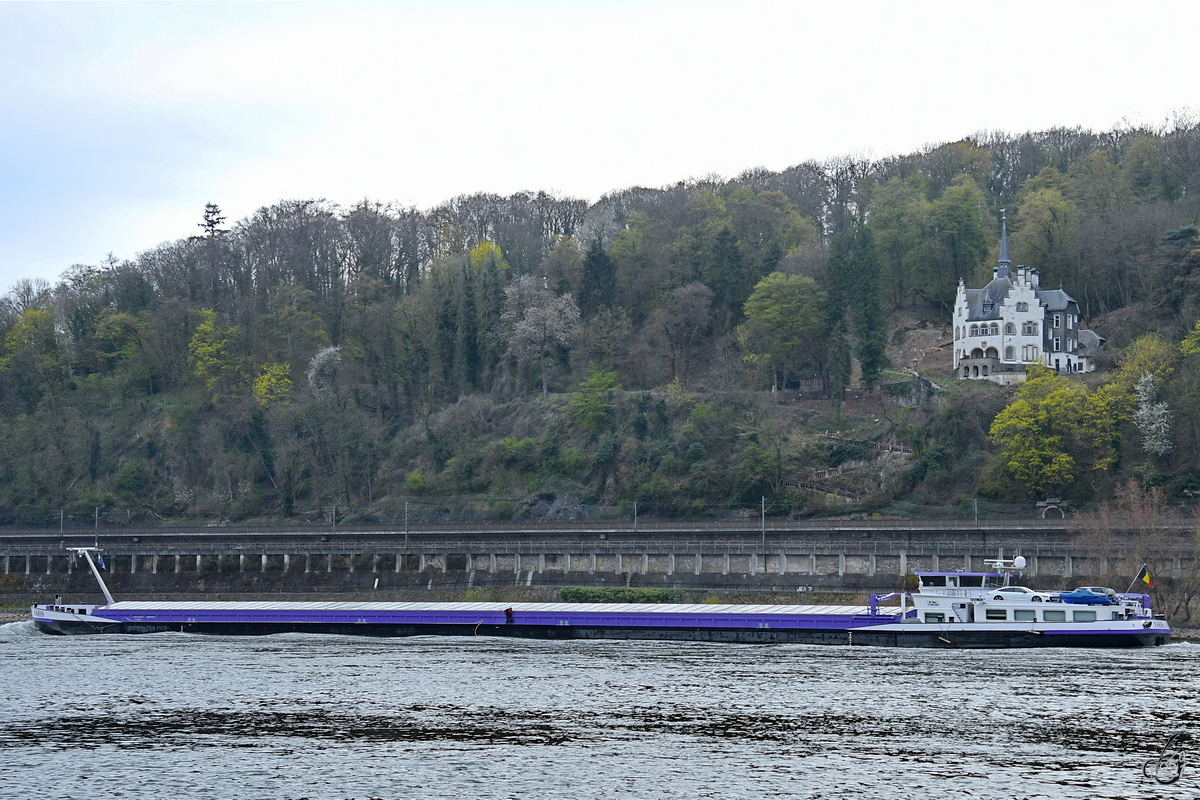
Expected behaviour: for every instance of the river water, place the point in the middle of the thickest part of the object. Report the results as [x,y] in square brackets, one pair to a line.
[307,716]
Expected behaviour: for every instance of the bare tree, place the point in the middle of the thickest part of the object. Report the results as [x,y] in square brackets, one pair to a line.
[1139,528]
[25,295]
[681,324]
[536,322]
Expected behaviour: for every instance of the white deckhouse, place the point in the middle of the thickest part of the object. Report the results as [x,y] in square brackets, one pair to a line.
[1012,322]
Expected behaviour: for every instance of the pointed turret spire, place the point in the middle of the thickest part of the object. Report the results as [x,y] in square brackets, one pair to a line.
[1004,262]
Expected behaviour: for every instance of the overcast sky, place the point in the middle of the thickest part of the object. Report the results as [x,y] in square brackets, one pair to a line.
[120,121]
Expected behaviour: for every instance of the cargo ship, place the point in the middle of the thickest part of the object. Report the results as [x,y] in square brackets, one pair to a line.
[947,609]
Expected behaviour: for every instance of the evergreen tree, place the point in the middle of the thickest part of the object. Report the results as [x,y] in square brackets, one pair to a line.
[870,326]
[852,273]
[838,363]
[727,276]
[466,340]
[599,281]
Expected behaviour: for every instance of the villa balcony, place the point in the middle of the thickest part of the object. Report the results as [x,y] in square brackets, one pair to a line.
[990,368]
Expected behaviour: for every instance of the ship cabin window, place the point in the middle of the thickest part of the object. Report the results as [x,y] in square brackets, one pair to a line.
[930,617]
[1025,615]
[1054,616]
[970,580]
[1084,616]
[933,580]
[993,582]
[997,614]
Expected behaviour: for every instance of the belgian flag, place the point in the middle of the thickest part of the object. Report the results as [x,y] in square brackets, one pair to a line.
[1144,577]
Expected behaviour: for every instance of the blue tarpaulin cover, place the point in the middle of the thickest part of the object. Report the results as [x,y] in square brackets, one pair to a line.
[1087,598]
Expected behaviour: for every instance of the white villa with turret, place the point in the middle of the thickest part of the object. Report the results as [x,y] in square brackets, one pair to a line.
[1012,322]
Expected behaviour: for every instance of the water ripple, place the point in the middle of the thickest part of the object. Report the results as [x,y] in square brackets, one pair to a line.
[301,716]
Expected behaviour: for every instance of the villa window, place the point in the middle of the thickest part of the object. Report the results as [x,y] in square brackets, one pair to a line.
[1010,353]
[1009,329]
[1029,329]
[1057,344]
[956,333]
[995,329]
[974,330]
[1057,320]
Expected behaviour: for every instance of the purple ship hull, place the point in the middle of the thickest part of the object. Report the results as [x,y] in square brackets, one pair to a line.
[846,625]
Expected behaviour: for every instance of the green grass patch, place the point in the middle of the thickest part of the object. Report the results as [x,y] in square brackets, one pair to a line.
[584,594]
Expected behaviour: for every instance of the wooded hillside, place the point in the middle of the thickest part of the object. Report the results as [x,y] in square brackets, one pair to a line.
[668,346]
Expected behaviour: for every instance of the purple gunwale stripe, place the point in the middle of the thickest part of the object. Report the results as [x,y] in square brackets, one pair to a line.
[1108,631]
[416,617]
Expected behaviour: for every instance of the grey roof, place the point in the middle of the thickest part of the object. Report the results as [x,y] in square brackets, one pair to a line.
[994,294]
[1090,342]
[1054,299]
